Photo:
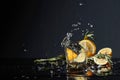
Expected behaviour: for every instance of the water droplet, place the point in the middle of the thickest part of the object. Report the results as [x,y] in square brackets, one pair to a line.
[88,23]
[79,23]
[80,4]
[91,26]
[25,50]
[82,30]
[75,29]
[39,68]
[87,30]
[27,77]
[23,76]
[82,34]
[74,25]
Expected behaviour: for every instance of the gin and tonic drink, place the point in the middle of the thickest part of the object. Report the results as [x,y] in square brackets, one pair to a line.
[75,56]
[81,57]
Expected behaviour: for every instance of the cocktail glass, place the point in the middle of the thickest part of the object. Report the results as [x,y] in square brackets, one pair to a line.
[73,65]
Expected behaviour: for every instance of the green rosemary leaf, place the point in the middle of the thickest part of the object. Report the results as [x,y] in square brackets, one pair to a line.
[86,32]
[90,35]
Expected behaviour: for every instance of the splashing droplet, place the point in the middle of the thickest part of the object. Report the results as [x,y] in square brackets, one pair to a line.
[88,23]
[66,41]
[79,23]
[87,30]
[82,34]
[91,26]
[74,25]
[25,50]
[82,30]
[77,28]
[80,4]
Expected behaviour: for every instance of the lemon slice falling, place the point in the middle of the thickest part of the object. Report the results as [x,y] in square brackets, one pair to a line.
[88,46]
[80,58]
[71,55]
[105,51]
[100,61]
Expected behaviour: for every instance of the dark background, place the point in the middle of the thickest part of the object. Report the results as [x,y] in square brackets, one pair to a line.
[35,28]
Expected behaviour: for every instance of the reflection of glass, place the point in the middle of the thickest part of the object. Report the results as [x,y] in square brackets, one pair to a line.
[80,77]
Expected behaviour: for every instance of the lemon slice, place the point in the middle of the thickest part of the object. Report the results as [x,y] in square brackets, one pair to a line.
[100,61]
[71,55]
[105,51]
[88,46]
[80,58]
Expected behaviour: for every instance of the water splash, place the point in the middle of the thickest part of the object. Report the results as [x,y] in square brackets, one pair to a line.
[66,40]
[78,29]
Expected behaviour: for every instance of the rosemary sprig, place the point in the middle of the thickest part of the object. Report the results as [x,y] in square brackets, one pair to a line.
[89,35]
[60,57]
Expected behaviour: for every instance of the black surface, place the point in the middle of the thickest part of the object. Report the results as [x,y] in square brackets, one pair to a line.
[25,69]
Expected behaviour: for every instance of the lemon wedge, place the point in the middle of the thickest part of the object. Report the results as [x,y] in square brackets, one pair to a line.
[71,55]
[101,61]
[80,58]
[105,51]
[88,46]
